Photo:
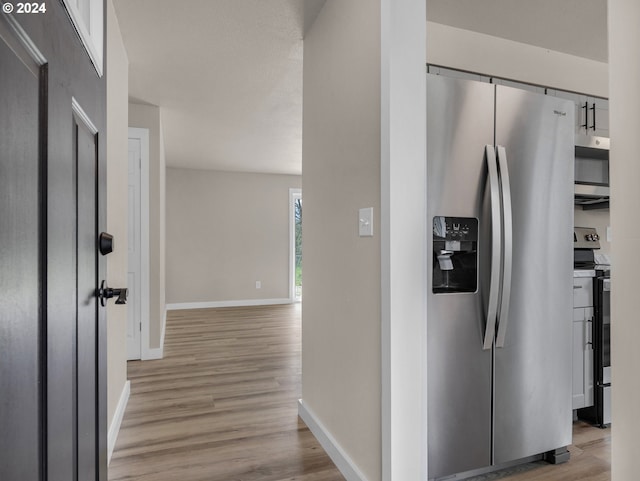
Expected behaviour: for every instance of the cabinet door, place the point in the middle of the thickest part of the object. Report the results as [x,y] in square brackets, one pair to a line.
[578,396]
[599,120]
[588,357]
[582,355]
[582,292]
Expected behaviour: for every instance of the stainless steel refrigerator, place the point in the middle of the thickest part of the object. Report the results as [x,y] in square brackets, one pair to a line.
[500,198]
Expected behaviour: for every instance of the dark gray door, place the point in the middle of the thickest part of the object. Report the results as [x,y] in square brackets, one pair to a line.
[533,369]
[459,126]
[52,178]
[87,305]
[21,263]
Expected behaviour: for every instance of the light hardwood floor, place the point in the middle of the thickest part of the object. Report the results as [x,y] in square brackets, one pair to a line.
[222,406]
[590,460]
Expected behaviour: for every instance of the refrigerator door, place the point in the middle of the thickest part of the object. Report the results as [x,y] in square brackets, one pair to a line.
[459,125]
[533,369]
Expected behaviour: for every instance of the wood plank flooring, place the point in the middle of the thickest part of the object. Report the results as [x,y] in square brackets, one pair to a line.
[222,404]
[590,460]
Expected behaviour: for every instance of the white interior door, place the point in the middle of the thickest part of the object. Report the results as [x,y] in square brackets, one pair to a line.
[134,321]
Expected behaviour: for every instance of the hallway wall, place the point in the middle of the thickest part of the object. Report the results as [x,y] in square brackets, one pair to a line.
[225,231]
[341,358]
[117,120]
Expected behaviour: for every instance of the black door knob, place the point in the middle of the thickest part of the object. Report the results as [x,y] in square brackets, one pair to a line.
[106,292]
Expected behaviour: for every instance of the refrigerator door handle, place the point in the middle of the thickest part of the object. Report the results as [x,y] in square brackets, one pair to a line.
[496,247]
[507,226]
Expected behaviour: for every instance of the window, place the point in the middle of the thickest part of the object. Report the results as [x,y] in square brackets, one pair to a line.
[295,229]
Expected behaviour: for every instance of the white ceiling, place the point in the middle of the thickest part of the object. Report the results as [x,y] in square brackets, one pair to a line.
[227,74]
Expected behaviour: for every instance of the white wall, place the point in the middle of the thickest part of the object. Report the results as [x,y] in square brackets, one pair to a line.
[225,231]
[624,76]
[341,379]
[149,117]
[404,240]
[481,53]
[117,112]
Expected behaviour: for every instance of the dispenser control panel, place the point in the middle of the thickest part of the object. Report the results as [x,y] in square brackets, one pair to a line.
[455,228]
[455,259]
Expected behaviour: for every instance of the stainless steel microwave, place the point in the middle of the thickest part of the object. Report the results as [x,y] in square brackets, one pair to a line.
[592,172]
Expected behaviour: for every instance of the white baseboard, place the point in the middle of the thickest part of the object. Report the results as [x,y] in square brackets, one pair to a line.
[342,461]
[157,352]
[238,303]
[114,428]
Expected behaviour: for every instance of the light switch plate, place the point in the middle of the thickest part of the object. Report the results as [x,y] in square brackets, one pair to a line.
[608,233]
[365,222]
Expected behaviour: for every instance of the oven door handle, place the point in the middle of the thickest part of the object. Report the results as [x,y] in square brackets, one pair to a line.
[496,248]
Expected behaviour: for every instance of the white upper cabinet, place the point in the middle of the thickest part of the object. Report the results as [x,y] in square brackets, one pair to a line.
[592,113]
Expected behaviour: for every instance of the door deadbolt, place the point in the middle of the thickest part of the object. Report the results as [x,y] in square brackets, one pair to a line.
[105,243]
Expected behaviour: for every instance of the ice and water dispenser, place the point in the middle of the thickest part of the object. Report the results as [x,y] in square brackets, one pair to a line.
[455,254]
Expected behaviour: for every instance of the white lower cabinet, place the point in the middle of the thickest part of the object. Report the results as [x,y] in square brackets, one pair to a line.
[582,357]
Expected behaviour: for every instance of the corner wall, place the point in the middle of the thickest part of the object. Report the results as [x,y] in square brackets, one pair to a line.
[117,112]
[149,117]
[341,378]
[404,227]
[225,231]
[624,62]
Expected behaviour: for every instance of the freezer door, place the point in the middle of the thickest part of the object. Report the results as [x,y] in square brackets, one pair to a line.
[533,383]
[459,125]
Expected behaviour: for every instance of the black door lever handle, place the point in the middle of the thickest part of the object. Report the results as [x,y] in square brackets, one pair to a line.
[105,293]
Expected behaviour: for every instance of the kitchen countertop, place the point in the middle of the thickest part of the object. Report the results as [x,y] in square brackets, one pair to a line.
[584,273]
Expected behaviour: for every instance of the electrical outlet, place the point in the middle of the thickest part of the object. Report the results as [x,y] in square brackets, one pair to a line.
[258,284]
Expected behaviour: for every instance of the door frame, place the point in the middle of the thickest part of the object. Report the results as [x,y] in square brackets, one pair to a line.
[294,193]
[143,136]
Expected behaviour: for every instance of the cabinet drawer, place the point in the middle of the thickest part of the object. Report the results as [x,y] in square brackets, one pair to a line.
[582,292]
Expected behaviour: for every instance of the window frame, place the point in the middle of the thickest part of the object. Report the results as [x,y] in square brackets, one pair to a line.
[92,35]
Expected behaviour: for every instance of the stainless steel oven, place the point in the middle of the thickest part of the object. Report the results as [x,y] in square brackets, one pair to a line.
[602,351]
[600,412]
